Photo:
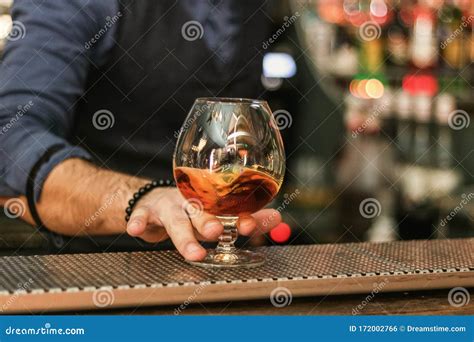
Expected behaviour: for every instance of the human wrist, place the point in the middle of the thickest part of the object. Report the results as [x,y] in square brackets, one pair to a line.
[144,191]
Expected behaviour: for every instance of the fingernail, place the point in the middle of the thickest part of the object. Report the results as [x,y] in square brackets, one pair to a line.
[132,226]
[193,247]
[213,227]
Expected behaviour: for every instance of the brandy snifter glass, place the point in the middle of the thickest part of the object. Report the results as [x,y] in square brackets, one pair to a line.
[229,161]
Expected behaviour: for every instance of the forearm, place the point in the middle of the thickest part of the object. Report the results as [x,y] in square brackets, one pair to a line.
[80,198]
[39,115]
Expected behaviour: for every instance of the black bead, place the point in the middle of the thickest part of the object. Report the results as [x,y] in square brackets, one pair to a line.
[142,191]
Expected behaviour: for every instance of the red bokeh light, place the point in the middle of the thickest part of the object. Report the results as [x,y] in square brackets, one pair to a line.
[281,233]
[422,84]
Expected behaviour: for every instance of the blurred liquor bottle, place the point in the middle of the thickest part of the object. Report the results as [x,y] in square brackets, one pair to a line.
[415,213]
[398,42]
[364,165]
[445,105]
[424,44]
[454,32]
[404,127]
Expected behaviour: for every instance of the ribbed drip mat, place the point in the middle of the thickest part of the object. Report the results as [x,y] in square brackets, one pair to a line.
[148,278]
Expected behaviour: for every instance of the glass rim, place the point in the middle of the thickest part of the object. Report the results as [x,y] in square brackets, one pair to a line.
[235,100]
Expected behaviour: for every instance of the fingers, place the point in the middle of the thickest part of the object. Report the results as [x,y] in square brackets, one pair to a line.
[138,221]
[208,226]
[181,232]
[267,219]
[168,218]
[246,225]
[259,223]
[139,226]
[154,234]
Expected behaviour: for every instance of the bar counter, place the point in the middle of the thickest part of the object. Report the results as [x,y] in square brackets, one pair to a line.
[349,279]
[397,303]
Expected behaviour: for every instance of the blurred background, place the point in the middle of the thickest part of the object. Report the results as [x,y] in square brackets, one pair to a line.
[374,99]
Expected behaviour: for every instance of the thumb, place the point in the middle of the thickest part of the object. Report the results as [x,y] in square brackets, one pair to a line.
[138,221]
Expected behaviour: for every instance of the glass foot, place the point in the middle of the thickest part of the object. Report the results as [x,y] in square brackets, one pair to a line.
[239,258]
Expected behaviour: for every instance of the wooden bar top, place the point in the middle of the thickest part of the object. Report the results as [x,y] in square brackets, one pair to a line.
[396,303]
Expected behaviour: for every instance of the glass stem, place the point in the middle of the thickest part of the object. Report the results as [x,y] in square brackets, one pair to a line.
[228,237]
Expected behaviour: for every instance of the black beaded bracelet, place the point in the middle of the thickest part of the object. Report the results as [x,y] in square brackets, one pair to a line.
[142,192]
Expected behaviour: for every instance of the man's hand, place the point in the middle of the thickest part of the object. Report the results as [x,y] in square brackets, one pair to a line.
[78,198]
[162,214]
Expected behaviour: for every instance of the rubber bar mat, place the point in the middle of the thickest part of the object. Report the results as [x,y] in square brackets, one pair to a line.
[107,280]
